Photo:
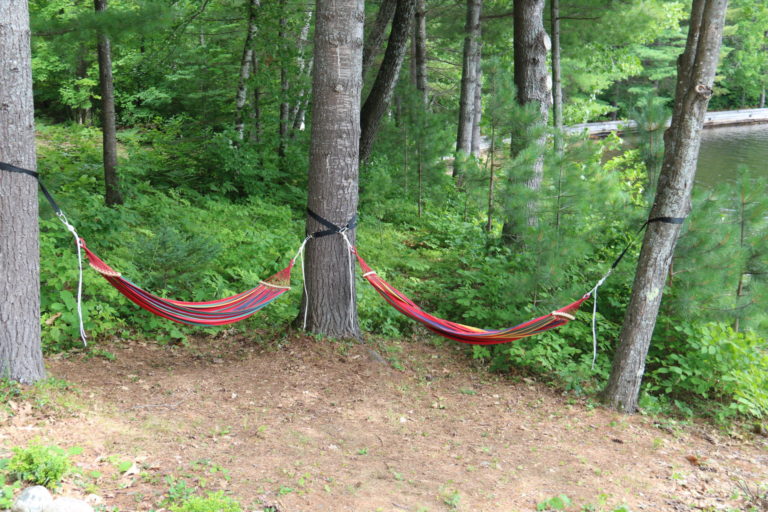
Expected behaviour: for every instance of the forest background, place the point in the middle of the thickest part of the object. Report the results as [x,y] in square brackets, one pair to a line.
[212,105]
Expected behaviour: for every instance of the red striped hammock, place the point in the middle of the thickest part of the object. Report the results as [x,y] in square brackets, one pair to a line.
[216,312]
[243,305]
[465,333]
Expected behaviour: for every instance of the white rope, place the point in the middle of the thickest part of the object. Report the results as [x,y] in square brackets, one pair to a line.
[300,252]
[593,294]
[71,228]
[351,278]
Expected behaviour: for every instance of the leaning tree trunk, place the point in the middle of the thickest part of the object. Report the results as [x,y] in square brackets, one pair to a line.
[21,358]
[375,35]
[330,303]
[378,99]
[532,79]
[695,76]
[247,66]
[468,84]
[112,194]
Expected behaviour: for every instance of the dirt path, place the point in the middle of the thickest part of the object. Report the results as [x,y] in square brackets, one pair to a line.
[318,426]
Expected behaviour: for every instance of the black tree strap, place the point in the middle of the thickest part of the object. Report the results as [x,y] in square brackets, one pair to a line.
[12,168]
[666,220]
[332,228]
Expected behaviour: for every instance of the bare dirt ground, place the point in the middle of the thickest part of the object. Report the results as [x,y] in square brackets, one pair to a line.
[308,425]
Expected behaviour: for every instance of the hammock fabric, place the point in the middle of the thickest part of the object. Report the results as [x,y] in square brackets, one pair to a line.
[216,312]
[238,307]
[465,333]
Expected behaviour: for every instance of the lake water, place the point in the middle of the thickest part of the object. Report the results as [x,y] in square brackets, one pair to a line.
[723,149]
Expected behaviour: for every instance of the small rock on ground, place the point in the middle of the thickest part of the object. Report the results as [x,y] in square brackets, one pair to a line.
[32,499]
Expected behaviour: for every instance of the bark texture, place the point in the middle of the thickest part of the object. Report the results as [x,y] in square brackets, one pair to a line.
[254,113]
[420,50]
[380,95]
[468,83]
[477,109]
[532,78]
[21,357]
[695,77]
[377,32]
[300,107]
[112,194]
[330,303]
[247,66]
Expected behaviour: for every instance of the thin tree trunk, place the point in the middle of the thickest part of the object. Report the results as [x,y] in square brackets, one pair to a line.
[477,109]
[742,235]
[299,108]
[375,36]
[557,86]
[285,108]
[380,95]
[468,84]
[112,194]
[21,358]
[489,224]
[405,159]
[247,65]
[557,108]
[330,303]
[420,170]
[420,51]
[255,111]
[695,77]
[298,118]
[762,98]
[82,115]
[532,80]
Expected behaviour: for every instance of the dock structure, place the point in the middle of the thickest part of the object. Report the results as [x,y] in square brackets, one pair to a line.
[712,119]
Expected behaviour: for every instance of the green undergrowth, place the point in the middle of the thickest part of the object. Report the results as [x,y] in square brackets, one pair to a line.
[184,241]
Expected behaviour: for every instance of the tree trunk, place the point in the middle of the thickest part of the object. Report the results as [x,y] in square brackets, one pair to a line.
[376,33]
[695,77]
[489,224]
[112,195]
[285,107]
[762,97]
[557,85]
[299,108]
[378,99]
[532,80]
[82,115]
[255,111]
[420,50]
[477,109]
[247,65]
[468,84]
[330,302]
[21,358]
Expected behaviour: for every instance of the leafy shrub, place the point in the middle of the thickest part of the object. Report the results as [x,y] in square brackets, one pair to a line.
[7,493]
[39,465]
[214,502]
[711,362]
